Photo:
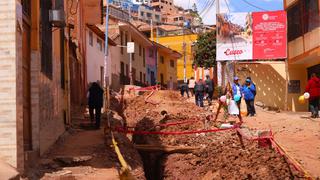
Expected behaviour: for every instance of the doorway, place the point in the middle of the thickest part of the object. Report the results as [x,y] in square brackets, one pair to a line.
[26,81]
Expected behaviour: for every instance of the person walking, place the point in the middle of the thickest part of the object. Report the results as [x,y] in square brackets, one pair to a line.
[191,85]
[95,103]
[313,88]
[209,89]
[184,89]
[248,92]
[199,89]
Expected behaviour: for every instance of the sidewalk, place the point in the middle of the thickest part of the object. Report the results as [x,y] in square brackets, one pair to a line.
[296,132]
[80,154]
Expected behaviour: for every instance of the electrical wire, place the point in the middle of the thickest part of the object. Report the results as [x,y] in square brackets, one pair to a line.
[212,3]
[257,7]
[227,4]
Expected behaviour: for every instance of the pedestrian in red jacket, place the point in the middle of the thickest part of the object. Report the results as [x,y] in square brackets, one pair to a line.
[313,88]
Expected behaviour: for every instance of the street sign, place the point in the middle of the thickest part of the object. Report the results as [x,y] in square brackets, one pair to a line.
[130,47]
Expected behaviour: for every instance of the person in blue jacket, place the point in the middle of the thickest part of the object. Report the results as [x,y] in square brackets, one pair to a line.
[249,93]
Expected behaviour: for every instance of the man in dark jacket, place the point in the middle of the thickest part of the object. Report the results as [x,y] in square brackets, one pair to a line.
[313,88]
[95,103]
[199,90]
[209,88]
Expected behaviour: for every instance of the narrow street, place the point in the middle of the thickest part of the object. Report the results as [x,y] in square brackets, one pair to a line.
[95,89]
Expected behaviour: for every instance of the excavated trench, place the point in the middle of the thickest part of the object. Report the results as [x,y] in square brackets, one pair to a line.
[220,155]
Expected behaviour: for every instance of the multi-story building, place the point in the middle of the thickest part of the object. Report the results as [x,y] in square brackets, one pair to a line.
[182,44]
[303,47]
[165,6]
[95,54]
[166,66]
[147,13]
[35,71]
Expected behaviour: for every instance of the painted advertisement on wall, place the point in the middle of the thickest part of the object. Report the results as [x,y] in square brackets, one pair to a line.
[248,36]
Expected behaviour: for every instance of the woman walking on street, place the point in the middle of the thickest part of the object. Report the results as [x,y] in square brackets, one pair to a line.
[313,88]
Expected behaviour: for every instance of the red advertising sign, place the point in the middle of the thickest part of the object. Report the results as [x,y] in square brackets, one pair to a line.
[269,35]
[247,36]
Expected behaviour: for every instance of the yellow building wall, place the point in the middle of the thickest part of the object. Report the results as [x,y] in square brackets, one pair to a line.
[297,72]
[270,80]
[176,43]
[166,69]
[162,68]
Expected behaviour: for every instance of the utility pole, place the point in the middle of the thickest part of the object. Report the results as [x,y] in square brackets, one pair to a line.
[151,24]
[219,65]
[130,54]
[106,77]
[184,63]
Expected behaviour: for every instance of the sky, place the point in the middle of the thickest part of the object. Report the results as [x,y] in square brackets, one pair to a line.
[230,6]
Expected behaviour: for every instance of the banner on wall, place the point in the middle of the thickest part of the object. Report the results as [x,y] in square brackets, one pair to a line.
[248,36]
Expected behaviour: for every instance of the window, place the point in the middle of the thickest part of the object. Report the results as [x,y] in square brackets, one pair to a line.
[133,56]
[122,76]
[161,78]
[127,70]
[303,17]
[133,75]
[144,57]
[144,77]
[99,44]
[126,39]
[181,18]
[46,39]
[149,15]
[140,50]
[294,22]
[121,41]
[171,63]
[157,17]
[175,19]
[162,59]
[91,38]
[311,15]
[150,53]
[142,14]
[140,76]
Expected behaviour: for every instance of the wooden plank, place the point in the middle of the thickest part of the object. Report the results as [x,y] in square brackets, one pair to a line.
[164,148]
